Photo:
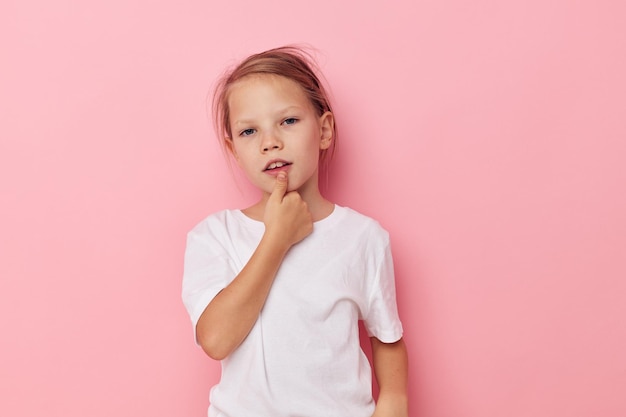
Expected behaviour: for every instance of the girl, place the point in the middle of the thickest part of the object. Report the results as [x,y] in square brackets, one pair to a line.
[275,291]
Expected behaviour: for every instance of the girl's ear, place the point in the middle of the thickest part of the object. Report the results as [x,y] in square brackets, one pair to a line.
[327,127]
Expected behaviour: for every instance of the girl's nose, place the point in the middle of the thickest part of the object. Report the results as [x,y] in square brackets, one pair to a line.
[270,141]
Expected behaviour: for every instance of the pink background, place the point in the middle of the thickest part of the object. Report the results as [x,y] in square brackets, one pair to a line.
[488,137]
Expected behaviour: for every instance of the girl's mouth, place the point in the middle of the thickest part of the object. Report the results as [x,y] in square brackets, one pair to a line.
[276,165]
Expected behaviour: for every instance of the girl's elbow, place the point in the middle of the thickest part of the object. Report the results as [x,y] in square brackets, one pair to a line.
[213,347]
[215,354]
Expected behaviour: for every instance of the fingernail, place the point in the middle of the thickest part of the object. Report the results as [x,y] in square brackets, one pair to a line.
[282,175]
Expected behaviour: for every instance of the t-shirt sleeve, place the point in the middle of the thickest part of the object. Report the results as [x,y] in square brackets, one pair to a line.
[382,320]
[207,271]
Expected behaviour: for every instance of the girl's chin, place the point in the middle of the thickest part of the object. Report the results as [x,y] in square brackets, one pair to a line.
[267,187]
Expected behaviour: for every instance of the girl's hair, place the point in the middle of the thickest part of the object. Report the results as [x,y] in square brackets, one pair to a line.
[290,62]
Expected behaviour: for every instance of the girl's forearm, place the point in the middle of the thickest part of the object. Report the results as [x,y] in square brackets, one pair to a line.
[391,368]
[229,317]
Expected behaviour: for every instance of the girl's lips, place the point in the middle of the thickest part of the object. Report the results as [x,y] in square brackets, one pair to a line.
[274,172]
[276,166]
[275,163]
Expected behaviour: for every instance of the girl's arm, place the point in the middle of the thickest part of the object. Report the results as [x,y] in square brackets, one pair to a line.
[391,369]
[229,317]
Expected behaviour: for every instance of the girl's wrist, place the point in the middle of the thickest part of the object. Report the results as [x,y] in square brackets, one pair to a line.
[275,241]
[392,404]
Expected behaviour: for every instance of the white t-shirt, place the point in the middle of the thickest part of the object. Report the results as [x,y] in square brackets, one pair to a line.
[302,357]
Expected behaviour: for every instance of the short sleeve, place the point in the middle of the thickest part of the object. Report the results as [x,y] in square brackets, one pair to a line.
[382,320]
[207,271]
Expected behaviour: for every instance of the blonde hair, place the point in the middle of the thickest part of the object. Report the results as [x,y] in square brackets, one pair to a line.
[291,62]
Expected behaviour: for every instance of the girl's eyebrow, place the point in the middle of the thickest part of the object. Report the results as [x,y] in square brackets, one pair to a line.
[242,122]
[290,108]
[281,112]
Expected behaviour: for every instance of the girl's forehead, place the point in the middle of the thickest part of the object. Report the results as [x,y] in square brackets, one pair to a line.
[266,82]
[263,87]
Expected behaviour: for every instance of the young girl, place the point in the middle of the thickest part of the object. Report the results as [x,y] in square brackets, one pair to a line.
[275,291]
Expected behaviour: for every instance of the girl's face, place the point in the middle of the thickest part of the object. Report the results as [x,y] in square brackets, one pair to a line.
[275,128]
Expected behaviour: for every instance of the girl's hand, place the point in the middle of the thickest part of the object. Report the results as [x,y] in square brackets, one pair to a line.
[287,218]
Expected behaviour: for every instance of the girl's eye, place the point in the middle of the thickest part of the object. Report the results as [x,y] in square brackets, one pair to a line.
[290,121]
[246,132]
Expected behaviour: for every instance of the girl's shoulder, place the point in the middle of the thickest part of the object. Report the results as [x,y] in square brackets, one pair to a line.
[223,221]
[216,218]
[360,223]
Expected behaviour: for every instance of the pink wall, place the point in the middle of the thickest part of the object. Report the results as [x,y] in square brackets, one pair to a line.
[488,137]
